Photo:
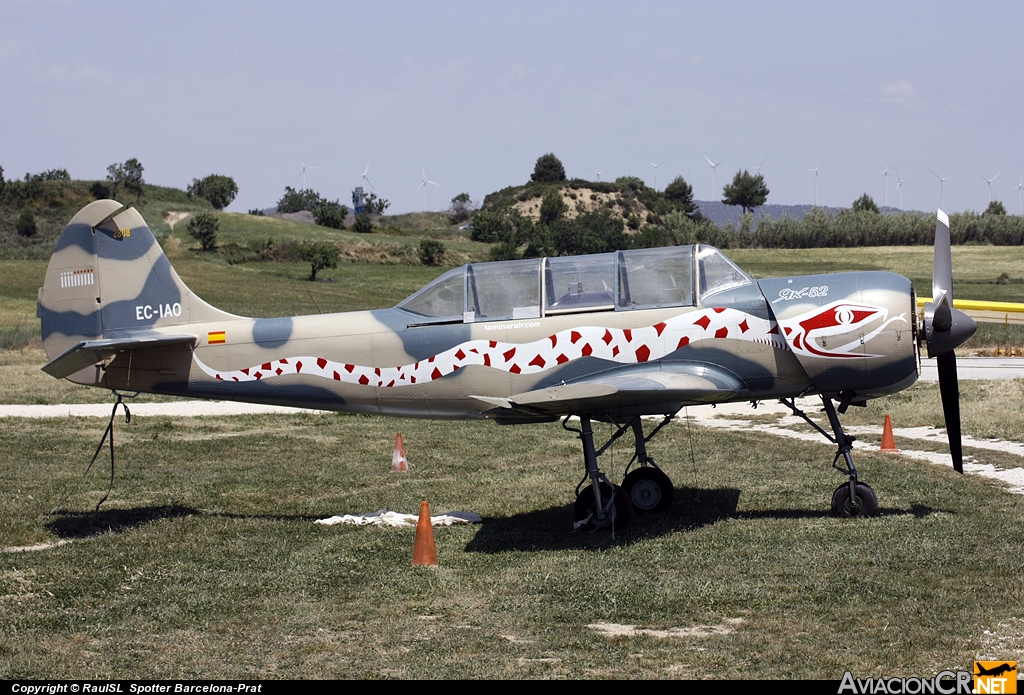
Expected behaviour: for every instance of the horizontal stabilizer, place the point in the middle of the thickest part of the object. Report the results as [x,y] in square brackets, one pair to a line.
[90,352]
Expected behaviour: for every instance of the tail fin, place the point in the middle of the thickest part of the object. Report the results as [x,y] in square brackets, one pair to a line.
[108,279]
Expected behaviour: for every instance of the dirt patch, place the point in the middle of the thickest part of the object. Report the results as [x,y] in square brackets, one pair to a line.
[172,218]
[616,630]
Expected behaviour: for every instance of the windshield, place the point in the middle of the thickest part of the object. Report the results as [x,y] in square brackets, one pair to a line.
[718,273]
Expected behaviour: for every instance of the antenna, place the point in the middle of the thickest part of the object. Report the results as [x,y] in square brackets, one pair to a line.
[941,182]
[885,183]
[303,174]
[989,181]
[713,167]
[365,172]
[656,171]
[899,185]
[423,185]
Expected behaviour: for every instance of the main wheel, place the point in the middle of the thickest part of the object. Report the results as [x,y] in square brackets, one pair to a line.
[864,503]
[585,506]
[649,490]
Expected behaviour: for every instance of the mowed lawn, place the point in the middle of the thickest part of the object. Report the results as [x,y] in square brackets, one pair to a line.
[205,561]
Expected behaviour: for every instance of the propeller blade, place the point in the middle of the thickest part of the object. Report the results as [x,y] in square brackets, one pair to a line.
[942,269]
[950,391]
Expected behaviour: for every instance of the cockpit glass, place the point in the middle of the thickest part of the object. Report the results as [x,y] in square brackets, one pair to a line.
[718,273]
[441,299]
[652,278]
[580,283]
[503,290]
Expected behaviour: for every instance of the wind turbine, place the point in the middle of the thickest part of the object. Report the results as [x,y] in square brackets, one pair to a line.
[899,185]
[423,185]
[1019,187]
[303,174]
[758,167]
[941,182]
[885,183]
[815,170]
[656,171]
[596,172]
[713,167]
[989,181]
[365,172]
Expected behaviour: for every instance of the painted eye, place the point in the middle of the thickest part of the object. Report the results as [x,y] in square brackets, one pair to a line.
[844,316]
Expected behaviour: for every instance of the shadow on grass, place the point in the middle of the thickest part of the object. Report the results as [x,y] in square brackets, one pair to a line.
[86,524]
[551,529]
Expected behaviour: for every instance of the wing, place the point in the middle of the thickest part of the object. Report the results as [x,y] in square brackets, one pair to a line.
[658,387]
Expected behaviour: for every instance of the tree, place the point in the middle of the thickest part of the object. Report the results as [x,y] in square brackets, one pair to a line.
[203,228]
[548,169]
[128,176]
[219,190]
[26,224]
[374,205]
[597,231]
[431,252]
[1,180]
[297,201]
[680,195]
[552,206]
[995,208]
[746,191]
[864,204]
[461,208]
[319,255]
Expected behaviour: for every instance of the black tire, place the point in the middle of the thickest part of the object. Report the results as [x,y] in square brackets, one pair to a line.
[585,505]
[865,503]
[649,490]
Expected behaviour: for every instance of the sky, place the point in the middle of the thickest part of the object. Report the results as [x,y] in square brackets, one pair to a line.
[472,93]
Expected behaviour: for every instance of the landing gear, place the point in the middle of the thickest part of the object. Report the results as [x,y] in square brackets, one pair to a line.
[648,489]
[863,503]
[619,513]
[853,498]
[603,504]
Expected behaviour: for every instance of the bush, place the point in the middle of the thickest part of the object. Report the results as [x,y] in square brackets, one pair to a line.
[99,190]
[26,224]
[331,214]
[203,228]
[431,252]
[552,207]
[363,223]
[219,190]
[319,255]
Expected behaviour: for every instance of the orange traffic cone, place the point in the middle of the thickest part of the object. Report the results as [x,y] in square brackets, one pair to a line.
[424,552]
[399,464]
[888,442]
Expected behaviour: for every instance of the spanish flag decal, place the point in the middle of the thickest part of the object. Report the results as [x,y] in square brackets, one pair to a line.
[215,337]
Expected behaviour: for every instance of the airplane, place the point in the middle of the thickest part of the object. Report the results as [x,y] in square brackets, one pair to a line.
[610,337]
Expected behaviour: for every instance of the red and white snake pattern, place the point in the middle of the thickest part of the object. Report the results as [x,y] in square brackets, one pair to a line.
[625,346]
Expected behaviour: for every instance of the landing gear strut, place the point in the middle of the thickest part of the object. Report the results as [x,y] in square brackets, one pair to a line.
[603,504]
[852,498]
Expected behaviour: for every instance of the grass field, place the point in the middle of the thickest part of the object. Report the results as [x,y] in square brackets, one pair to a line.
[205,561]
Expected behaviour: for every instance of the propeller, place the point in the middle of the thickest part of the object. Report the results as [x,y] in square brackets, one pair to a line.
[945,329]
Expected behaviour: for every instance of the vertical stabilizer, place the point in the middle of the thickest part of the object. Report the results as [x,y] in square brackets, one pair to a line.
[108,278]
